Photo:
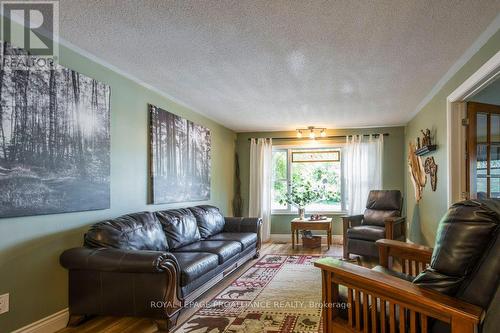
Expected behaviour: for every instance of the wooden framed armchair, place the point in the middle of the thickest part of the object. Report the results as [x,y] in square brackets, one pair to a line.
[453,288]
[381,219]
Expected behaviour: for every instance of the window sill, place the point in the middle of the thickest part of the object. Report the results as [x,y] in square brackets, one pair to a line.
[336,213]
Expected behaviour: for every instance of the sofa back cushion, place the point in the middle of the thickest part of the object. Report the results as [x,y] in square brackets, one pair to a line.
[138,231]
[179,226]
[209,219]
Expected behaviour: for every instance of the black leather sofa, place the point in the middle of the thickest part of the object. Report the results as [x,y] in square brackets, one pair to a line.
[152,264]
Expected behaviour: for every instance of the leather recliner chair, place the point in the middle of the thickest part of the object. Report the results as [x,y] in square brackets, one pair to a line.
[381,219]
[457,291]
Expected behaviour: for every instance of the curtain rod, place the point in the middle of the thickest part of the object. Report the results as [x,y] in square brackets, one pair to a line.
[319,137]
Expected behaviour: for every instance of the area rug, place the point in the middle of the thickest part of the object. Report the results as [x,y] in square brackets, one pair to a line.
[279,293]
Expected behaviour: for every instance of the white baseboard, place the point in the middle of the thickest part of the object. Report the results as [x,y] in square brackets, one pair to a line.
[337,239]
[50,324]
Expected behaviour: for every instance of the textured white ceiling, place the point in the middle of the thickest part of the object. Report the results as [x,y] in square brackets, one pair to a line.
[273,65]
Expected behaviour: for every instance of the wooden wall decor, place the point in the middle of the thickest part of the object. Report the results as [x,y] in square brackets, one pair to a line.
[417,171]
[430,168]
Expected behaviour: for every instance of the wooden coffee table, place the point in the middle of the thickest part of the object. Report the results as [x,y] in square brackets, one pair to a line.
[299,224]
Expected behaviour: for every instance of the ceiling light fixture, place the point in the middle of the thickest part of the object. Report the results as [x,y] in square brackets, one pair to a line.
[313,132]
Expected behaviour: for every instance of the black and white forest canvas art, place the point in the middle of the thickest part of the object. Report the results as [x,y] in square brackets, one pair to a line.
[180,158]
[54,142]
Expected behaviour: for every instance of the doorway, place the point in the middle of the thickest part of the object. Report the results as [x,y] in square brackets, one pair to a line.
[483,147]
[481,87]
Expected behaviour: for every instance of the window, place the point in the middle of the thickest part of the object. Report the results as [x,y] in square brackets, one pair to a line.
[321,167]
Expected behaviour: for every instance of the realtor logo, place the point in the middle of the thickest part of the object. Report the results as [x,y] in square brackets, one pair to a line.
[31,26]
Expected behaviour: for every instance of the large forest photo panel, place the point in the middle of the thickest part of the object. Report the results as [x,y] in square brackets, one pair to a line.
[180,158]
[54,142]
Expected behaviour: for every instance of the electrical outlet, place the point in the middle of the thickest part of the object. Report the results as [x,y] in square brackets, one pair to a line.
[4,303]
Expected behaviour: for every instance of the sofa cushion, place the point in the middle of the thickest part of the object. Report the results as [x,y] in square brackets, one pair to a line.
[366,232]
[225,250]
[245,238]
[179,226]
[139,231]
[210,220]
[195,264]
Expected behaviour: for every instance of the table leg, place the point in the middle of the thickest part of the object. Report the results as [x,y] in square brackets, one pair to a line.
[329,238]
[293,239]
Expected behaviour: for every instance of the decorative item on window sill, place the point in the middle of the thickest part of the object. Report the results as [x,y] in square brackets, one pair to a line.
[424,145]
[310,131]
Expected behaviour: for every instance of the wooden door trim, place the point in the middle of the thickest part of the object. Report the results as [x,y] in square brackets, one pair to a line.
[473,108]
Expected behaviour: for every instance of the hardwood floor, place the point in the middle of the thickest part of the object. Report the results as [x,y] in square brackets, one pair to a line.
[143,325]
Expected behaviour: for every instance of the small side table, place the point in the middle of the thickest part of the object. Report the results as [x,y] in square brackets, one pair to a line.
[305,224]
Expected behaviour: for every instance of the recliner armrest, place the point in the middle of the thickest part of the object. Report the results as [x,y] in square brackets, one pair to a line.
[242,224]
[117,260]
[351,221]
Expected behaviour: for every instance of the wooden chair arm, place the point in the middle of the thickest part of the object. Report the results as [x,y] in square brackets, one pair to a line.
[351,221]
[414,258]
[391,223]
[398,291]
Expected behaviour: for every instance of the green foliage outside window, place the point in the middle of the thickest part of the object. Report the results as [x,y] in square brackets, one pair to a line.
[311,182]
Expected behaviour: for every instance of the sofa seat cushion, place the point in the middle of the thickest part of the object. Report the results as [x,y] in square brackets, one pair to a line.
[195,264]
[225,250]
[179,226]
[209,218]
[246,239]
[366,232]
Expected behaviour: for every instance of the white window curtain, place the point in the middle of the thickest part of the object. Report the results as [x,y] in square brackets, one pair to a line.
[362,169]
[261,154]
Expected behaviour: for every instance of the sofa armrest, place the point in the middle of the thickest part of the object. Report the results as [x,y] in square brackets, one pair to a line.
[117,260]
[242,224]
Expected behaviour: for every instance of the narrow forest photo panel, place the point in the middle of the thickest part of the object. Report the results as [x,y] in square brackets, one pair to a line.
[180,158]
[54,142]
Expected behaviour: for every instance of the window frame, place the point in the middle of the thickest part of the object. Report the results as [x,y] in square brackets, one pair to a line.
[289,149]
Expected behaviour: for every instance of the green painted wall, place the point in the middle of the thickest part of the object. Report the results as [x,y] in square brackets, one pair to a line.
[425,215]
[392,178]
[30,246]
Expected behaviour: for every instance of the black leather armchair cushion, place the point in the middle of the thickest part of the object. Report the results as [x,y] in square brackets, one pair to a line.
[225,250]
[382,204]
[195,264]
[139,231]
[179,226]
[377,217]
[464,235]
[366,232]
[246,239]
[209,219]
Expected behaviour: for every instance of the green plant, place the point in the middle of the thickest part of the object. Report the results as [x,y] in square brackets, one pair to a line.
[301,194]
